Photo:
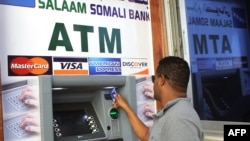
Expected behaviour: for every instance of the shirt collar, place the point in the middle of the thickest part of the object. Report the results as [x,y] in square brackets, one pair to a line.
[167,106]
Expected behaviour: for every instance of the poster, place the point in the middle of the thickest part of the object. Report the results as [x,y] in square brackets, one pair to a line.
[59,37]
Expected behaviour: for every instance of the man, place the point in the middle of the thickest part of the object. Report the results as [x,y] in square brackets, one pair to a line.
[176,120]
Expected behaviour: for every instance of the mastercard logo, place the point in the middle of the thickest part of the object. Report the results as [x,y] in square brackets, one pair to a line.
[27,65]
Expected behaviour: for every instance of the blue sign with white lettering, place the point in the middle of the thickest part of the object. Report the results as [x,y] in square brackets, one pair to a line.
[24,3]
[104,66]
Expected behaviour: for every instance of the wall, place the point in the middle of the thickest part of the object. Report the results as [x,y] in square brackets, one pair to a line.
[158,30]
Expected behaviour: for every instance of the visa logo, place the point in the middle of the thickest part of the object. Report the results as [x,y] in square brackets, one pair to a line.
[23,3]
[71,66]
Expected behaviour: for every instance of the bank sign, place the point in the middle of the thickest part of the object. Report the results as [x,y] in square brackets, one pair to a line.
[66,37]
[77,29]
[218,35]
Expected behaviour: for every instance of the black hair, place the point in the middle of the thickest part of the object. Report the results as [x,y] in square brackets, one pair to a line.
[176,71]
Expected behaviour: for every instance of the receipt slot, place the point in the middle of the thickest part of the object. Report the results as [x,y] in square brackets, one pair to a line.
[79,108]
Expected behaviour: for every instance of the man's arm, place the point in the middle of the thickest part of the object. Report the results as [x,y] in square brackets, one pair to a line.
[140,129]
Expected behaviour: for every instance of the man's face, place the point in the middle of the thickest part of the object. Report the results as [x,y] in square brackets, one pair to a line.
[157,95]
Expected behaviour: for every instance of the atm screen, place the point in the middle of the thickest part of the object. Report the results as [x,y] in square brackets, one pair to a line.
[73,120]
[71,123]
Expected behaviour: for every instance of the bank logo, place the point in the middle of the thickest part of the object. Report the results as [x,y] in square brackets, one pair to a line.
[29,65]
[23,3]
[70,66]
[139,1]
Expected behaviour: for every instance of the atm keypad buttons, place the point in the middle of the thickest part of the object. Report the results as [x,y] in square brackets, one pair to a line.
[90,118]
[90,121]
[92,124]
[95,130]
[56,128]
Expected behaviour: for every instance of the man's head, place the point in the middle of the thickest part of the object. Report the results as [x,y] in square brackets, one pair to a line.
[175,71]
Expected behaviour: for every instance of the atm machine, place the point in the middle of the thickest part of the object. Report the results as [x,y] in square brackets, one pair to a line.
[79,108]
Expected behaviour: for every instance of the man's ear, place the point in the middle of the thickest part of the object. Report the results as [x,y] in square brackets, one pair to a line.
[162,80]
